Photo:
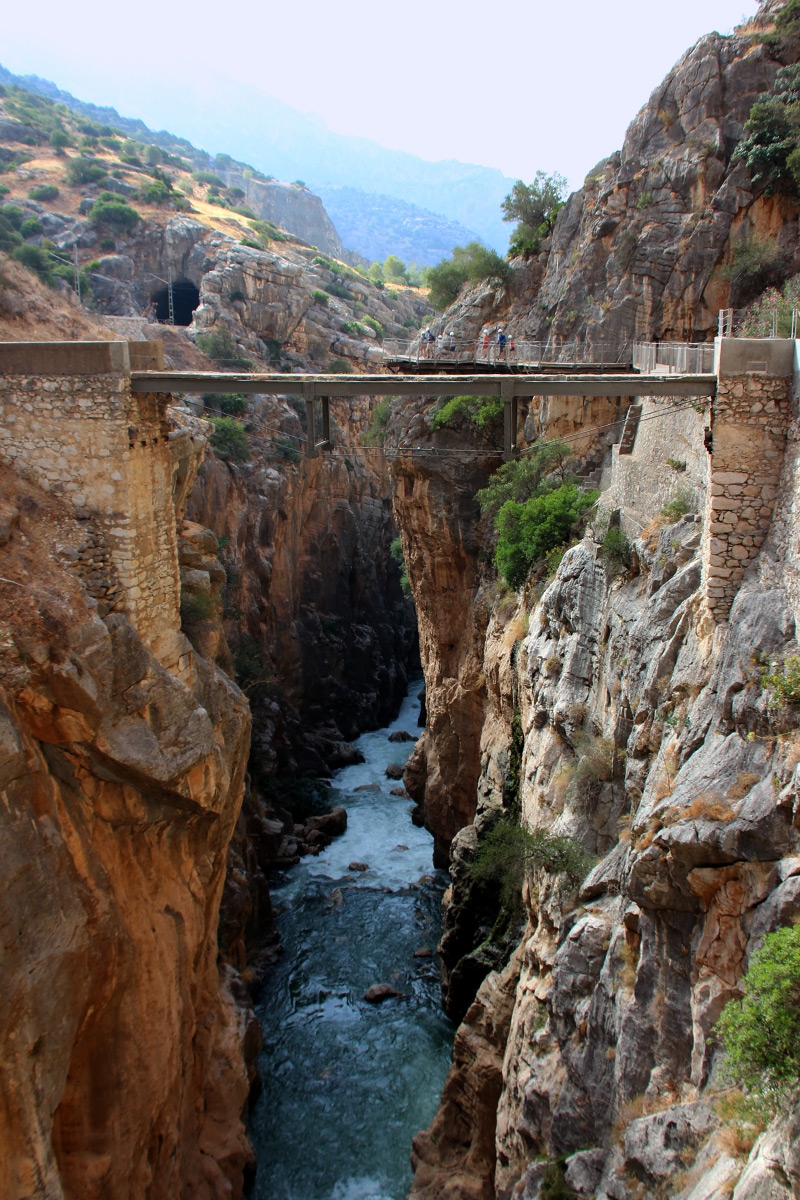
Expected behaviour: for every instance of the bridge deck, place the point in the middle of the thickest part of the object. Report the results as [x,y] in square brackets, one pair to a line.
[506,387]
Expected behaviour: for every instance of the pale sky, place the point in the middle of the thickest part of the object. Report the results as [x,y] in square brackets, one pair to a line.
[517,85]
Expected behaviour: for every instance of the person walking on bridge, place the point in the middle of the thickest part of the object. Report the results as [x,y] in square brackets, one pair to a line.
[501,343]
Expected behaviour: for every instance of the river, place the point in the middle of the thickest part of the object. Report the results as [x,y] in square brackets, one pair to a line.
[347,1083]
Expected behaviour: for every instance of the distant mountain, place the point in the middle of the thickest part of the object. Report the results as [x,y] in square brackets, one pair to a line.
[281,141]
[375,226]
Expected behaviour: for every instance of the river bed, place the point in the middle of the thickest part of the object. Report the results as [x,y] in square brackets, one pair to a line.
[347,1083]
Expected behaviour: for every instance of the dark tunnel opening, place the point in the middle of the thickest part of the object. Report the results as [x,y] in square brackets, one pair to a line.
[185,299]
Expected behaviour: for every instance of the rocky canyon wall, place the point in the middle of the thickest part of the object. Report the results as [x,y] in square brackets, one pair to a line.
[616,710]
[122,773]
[647,248]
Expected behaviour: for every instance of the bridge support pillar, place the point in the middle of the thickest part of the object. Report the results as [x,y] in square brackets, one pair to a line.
[327,444]
[510,407]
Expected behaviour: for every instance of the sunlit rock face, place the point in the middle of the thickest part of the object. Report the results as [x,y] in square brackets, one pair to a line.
[122,780]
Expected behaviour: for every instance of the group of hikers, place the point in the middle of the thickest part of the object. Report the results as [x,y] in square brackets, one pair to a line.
[494,345]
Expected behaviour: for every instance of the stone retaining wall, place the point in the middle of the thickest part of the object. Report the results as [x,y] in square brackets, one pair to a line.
[106,451]
[750,418]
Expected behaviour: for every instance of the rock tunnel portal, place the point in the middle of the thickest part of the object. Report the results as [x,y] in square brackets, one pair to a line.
[185,299]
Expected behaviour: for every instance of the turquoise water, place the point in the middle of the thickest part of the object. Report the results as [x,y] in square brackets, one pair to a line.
[347,1084]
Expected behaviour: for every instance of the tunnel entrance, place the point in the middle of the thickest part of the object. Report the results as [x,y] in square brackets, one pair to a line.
[185,299]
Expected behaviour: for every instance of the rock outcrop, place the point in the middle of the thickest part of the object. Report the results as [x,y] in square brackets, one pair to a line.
[611,709]
[646,248]
[121,782]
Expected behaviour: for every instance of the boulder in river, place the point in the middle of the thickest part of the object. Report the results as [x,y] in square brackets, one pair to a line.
[358,866]
[380,992]
[400,735]
[418,815]
[332,824]
[400,792]
[395,771]
[368,787]
[423,952]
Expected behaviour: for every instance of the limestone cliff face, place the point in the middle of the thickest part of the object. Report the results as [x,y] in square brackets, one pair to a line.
[642,250]
[121,784]
[644,734]
[312,587]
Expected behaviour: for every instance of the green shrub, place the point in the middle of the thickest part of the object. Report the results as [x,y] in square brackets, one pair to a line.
[554,1184]
[230,405]
[109,209]
[229,440]
[508,849]
[681,503]
[13,214]
[761,1032]
[394,270]
[31,228]
[43,193]
[756,264]
[480,410]
[528,531]
[374,325]
[84,170]
[758,318]
[339,366]
[783,679]
[158,191]
[4,190]
[467,264]
[197,607]
[36,260]
[396,551]
[353,328]
[523,477]
[59,140]
[207,177]
[644,201]
[320,297]
[677,464]
[615,550]
[236,295]
[220,346]
[379,421]
[336,289]
[286,448]
[9,236]
[534,206]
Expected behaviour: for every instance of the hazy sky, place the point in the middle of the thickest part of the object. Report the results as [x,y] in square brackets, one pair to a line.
[516,85]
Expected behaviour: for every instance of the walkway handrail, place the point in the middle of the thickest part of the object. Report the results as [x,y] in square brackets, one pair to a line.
[673,358]
[514,352]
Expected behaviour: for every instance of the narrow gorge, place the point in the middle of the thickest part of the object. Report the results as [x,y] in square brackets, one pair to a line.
[345,861]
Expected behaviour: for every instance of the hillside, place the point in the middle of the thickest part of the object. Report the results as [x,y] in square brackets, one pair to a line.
[421,209]
[135,215]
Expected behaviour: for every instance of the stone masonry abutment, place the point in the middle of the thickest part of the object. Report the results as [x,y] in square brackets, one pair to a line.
[750,417]
[70,423]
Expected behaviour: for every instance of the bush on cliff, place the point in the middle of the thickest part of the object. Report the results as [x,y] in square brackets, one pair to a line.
[770,147]
[527,476]
[379,422]
[229,440]
[110,209]
[761,1032]
[229,405]
[528,531]
[80,171]
[508,849]
[220,346]
[480,410]
[468,264]
[534,206]
[396,551]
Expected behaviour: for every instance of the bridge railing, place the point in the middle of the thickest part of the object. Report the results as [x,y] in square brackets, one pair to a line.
[673,358]
[516,352]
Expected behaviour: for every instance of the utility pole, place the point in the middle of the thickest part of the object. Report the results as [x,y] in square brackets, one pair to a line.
[77,270]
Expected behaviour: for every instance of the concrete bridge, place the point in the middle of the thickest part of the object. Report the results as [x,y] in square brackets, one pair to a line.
[88,420]
[509,389]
